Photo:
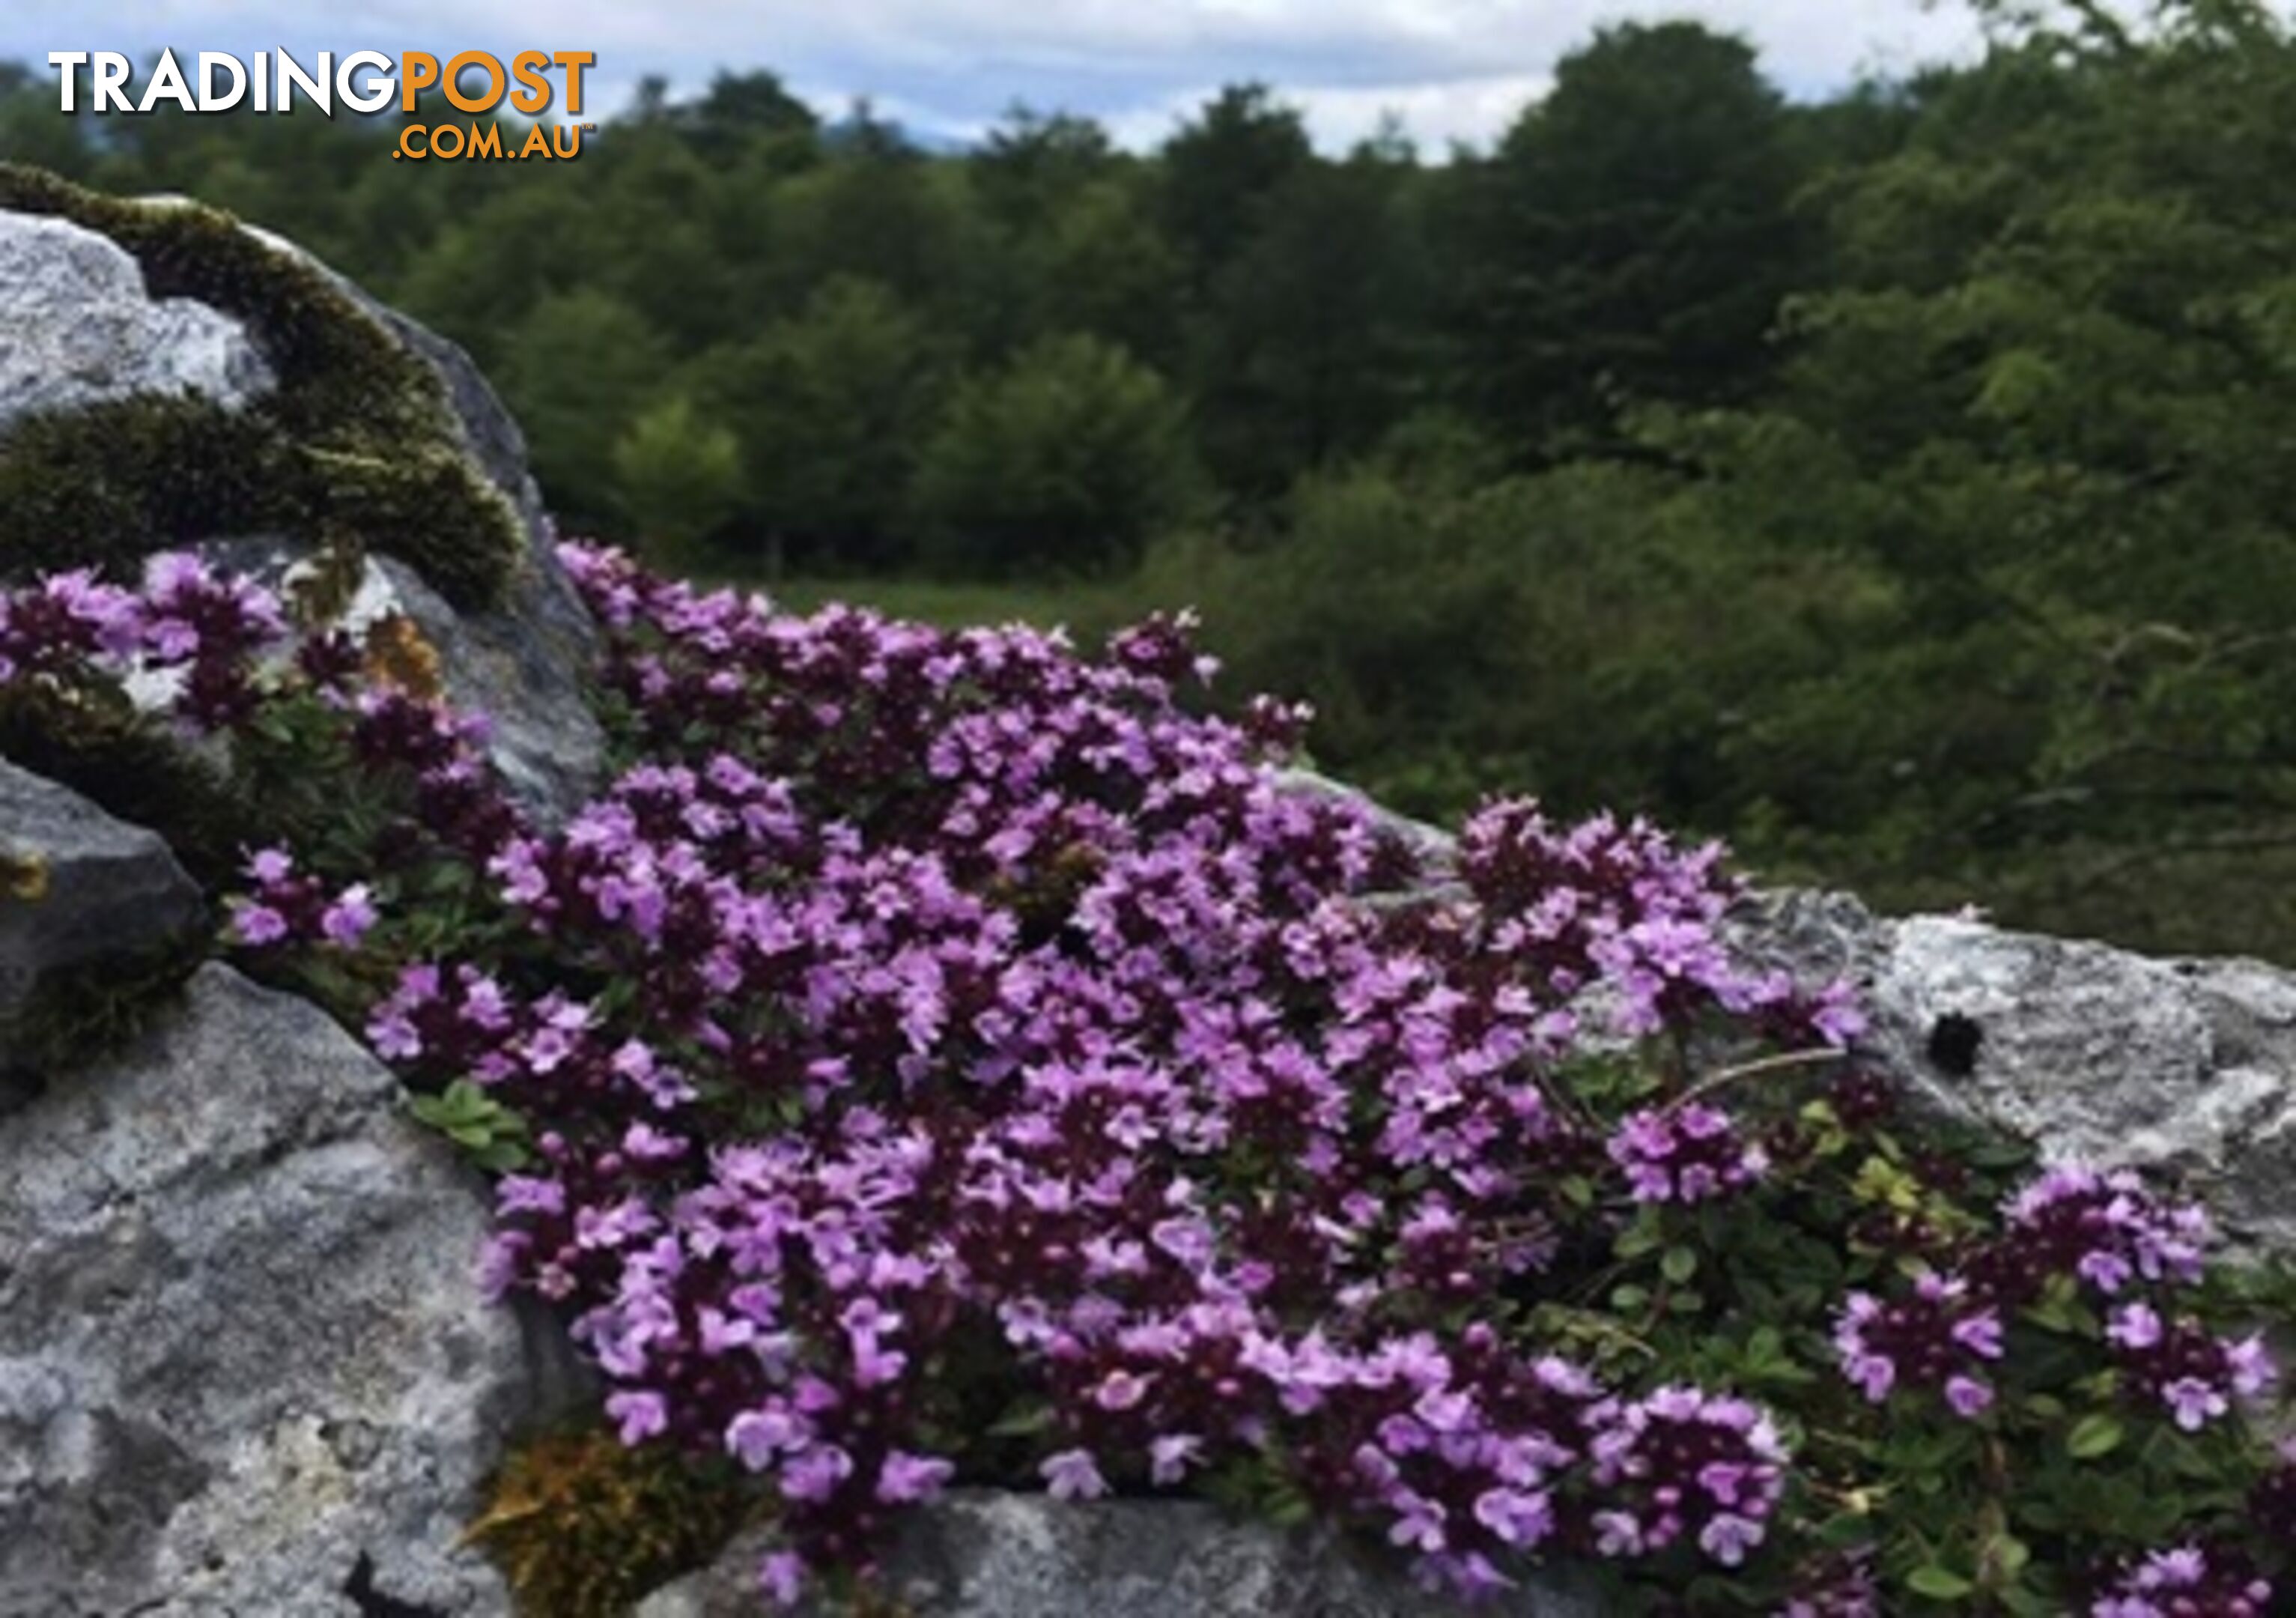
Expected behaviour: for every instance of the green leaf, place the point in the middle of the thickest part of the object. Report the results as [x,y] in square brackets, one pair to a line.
[1938,1583]
[1639,1238]
[1289,1508]
[1023,1421]
[1678,1264]
[2095,1435]
[502,1157]
[2005,1558]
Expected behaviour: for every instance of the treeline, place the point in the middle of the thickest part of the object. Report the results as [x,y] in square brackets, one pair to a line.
[735,325]
[1895,484]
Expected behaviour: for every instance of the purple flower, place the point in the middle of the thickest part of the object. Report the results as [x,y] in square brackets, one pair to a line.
[1968,1396]
[259,925]
[1683,1461]
[2185,1578]
[348,919]
[1518,1518]
[904,1479]
[1726,1539]
[781,1576]
[2194,1375]
[1072,1474]
[1121,1389]
[1170,1456]
[2135,1326]
[1687,1154]
[815,1472]
[2105,1230]
[641,1414]
[2193,1402]
[1936,1337]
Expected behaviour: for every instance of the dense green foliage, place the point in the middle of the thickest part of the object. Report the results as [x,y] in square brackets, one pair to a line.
[1893,484]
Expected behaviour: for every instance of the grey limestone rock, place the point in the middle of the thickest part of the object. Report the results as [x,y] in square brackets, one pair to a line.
[983,1555]
[78,889]
[244,1362]
[77,328]
[523,663]
[2093,1053]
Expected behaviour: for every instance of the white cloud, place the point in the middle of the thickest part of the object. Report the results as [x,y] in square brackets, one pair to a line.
[1453,68]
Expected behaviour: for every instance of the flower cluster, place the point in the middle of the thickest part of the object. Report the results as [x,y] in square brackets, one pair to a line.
[1840,1584]
[1683,1463]
[189,637]
[1688,1154]
[2106,1229]
[2188,1582]
[2110,1234]
[282,907]
[1034,1019]
[2189,1369]
[439,756]
[1937,1336]
[947,1055]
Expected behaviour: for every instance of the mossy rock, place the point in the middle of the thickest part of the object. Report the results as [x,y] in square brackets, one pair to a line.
[99,745]
[356,447]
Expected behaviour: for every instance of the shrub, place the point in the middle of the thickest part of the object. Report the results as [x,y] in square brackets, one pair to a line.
[681,477]
[1068,458]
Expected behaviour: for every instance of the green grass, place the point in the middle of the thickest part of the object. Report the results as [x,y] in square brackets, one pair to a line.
[1085,609]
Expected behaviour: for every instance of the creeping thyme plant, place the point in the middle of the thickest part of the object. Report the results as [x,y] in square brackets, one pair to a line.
[945,1057]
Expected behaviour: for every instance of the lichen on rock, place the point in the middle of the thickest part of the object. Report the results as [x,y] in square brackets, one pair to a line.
[242,1353]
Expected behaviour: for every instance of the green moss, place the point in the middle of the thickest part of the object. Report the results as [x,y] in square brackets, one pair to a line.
[114,757]
[87,1012]
[432,490]
[356,447]
[97,744]
[108,483]
[582,1526]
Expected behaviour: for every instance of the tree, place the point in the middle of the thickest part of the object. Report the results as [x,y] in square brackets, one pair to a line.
[829,407]
[2048,402]
[876,210]
[1221,169]
[1067,458]
[1033,164]
[33,129]
[577,371]
[1635,234]
[680,476]
[1096,263]
[1305,352]
[647,221]
[739,109]
[483,275]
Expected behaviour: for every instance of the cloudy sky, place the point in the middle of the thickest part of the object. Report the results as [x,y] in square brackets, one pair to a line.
[1451,69]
